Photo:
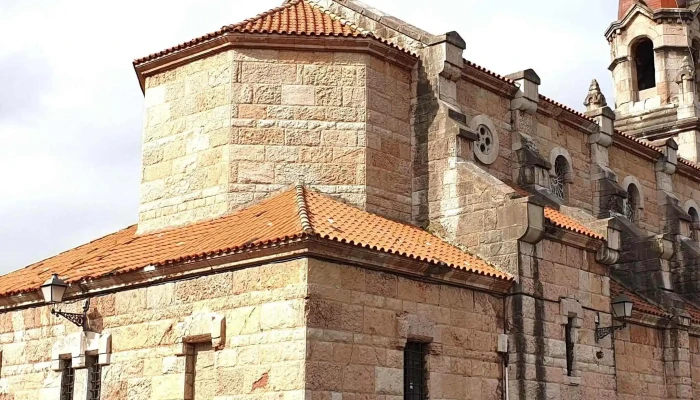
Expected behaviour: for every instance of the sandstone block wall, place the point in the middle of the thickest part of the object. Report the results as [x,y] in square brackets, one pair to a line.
[476,100]
[359,321]
[626,164]
[228,129]
[263,352]
[389,140]
[560,282]
[640,363]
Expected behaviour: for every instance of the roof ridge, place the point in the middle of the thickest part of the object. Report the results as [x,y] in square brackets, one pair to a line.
[261,15]
[289,5]
[303,210]
[340,19]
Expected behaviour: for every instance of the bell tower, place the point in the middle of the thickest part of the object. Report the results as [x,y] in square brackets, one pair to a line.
[655,51]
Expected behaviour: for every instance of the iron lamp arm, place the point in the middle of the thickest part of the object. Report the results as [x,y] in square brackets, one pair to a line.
[78,319]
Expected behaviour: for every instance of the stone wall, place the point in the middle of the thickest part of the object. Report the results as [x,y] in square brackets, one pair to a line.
[359,321]
[389,135]
[640,364]
[559,282]
[228,129]
[695,365]
[626,164]
[475,100]
[260,352]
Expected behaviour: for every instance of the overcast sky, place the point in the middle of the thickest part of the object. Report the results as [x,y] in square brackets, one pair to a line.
[71,107]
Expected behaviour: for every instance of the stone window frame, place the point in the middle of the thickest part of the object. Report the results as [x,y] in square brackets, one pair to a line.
[568,177]
[689,205]
[633,43]
[475,124]
[571,308]
[639,207]
[420,328]
[198,329]
[77,345]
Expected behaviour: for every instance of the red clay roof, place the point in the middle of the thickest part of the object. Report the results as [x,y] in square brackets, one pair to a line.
[641,305]
[566,222]
[291,214]
[298,17]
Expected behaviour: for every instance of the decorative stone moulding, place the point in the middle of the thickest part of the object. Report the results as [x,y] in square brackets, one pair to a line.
[75,346]
[486,144]
[198,328]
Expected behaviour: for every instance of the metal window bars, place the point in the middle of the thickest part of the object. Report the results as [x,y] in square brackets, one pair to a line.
[67,380]
[94,378]
[414,371]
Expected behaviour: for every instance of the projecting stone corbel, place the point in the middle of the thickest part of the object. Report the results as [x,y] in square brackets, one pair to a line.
[669,159]
[664,247]
[76,345]
[446,51]
[523,220]
[609,253]
[605,117]
[528,97]
[199,328]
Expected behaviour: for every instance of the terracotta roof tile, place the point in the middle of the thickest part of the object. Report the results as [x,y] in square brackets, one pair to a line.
[299,17]
[641,305]
[286,216]
[566,222]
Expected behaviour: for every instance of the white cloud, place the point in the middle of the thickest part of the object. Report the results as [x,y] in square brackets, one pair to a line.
[70,104]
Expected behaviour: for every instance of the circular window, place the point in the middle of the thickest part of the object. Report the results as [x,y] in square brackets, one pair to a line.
[485,140]
[486,143]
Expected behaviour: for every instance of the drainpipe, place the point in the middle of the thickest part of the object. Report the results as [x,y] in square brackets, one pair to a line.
[503,351]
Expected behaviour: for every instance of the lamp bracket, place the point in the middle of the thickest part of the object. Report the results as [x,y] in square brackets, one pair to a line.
[78,319]
[601,333]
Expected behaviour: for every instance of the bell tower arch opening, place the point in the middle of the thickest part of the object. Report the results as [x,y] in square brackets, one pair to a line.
[644,69]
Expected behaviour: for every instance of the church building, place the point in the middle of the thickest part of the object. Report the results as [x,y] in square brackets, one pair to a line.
[337,205]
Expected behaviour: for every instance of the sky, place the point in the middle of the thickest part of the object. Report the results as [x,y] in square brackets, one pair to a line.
[71,107]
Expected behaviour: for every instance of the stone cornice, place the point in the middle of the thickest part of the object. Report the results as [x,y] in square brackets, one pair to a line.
[568,117]
[622,23]
[311,247]
[571,238]
[489,80]
[232,40]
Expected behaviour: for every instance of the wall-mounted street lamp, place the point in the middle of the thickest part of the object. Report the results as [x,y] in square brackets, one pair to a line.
[622,309]
[53,290]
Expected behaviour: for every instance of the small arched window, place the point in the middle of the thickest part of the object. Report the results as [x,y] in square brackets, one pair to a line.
[561,177]
[695,223]
[632,203]
[643,52]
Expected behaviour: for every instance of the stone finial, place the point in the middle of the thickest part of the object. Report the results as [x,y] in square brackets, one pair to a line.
[686,72]
[595,98]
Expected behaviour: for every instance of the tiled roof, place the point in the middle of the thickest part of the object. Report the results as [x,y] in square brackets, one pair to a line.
[488,71]
[291,214]
[566,222]
[641,305]
[298,17]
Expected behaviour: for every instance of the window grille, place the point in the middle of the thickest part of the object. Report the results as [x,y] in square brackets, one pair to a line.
[631,204]
[569,347]
[558,181]
[484,139]
[67,380]
[94,378]
[414,371]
